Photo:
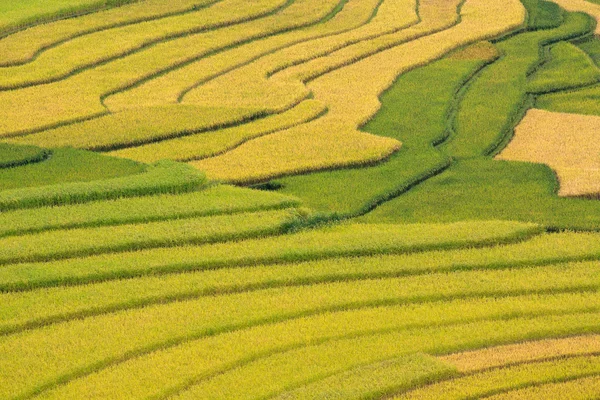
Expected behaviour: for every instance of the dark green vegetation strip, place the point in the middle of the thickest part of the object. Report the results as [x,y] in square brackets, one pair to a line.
[483,188]
[14,155]
[64,166]
[553,75]
[98,177]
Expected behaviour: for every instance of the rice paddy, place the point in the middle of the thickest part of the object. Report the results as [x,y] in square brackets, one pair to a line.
[565,142]
[299,199]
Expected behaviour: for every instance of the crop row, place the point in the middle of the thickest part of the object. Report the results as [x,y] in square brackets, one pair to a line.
[60,302]
[72,135]
[350,94]
[23,46]
[102,46]
[162,177]
[80,94]
[139,126]
[15,18]
[343,240]
[522,353]
[209,144]
[501,380]
[25,310]
[211,201]
[237,164]
[372,380]
[345,27]
[576,388]
[163,122]
[293,353]
[59,244]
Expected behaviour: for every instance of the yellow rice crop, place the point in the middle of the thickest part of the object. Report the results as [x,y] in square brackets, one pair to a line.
[584,6]
[103,45]
[78,97]
[568,143]
[351,95]
[22,46]
[305,43]
[136,126]
[482,384]
[523,352]
[212,143]
[306,339]
[578,389]
[308,147]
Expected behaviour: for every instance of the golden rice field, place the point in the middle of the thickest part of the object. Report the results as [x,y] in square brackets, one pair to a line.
[299,199]
[568,143]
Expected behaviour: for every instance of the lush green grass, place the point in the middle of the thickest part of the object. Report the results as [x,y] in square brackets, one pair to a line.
[14,156]
[542,14]
[578,101]
[66,165]
[567,67]
[488,189]
[211,201]
[100,177]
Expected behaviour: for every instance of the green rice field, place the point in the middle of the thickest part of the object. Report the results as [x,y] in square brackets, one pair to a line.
[297,199]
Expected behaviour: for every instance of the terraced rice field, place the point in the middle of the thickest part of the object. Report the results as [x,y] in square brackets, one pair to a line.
[299,199]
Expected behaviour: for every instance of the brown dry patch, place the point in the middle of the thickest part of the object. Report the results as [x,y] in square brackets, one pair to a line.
[479,51]
[523,352]
[568,143]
